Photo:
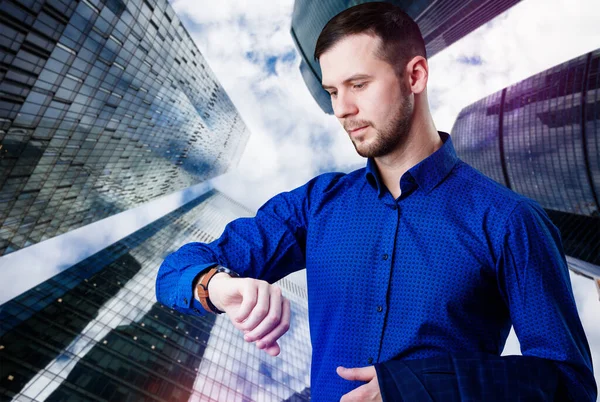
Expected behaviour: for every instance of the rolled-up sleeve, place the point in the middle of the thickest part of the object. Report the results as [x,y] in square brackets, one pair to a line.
[534,280]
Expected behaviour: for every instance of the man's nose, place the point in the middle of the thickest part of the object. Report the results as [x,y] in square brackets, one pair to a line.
[344,106]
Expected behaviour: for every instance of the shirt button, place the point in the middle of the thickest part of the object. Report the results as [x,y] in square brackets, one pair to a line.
[385,256]
[379,308]
[394,207]
[370,360]
[185,300]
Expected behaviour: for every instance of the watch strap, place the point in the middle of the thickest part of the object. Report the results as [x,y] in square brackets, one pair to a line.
[202,288]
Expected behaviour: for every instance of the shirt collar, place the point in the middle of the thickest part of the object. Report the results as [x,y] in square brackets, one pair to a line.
[426,174]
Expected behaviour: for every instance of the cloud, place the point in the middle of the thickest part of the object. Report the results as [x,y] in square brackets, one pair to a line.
[474,60]
[250,49]
[252,53]
[530,37]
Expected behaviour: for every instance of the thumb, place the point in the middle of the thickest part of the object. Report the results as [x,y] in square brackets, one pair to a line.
[356,374]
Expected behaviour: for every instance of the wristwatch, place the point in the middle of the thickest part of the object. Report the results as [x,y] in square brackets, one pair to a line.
[202,287]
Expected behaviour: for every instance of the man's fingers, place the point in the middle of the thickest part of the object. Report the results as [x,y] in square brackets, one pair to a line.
[260,310]
[250,295]
[263,315]
[272,319]
[273,350]
[357,374]
[368,392]
[280,329]
[360,394]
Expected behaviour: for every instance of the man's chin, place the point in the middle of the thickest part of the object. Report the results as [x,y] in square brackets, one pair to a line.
[366,147]
[362,150]
[369,150]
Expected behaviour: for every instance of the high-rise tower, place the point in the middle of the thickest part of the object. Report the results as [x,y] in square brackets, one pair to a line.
[541,138]
[104,105]
[96,332]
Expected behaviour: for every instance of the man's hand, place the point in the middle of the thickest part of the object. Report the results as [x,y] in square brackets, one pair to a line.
[367,392]
[255,307]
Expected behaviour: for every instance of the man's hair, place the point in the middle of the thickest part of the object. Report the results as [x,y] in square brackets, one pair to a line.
[401,38]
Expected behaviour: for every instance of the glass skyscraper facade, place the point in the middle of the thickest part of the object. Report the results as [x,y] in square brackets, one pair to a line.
[104,105]
[541,138]
[95,331]
[442,22]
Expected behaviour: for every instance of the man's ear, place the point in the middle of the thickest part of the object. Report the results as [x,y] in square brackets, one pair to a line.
[417,72]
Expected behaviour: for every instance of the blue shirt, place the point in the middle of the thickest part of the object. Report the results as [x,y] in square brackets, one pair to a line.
[447,267]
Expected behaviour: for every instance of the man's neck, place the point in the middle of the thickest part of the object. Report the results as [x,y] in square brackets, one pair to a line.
[421,141]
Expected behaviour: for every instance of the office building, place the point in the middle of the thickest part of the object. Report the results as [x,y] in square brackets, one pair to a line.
[541,138]
[95,332]
[442,23]
[104,105]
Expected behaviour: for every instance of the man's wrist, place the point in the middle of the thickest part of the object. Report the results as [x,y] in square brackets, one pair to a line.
[199,279]
[217,278]
[202,286]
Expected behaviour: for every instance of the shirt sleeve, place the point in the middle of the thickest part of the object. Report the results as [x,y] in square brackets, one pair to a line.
[268,246]
[534,280]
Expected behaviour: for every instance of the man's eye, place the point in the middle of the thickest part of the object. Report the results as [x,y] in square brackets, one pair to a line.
[333,94]
[359,86]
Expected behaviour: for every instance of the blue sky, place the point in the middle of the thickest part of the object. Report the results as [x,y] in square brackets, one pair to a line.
[249,48]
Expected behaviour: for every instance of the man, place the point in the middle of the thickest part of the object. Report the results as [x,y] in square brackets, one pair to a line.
[416,265]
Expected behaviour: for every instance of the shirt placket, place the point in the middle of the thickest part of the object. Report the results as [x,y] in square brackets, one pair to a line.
[384,264]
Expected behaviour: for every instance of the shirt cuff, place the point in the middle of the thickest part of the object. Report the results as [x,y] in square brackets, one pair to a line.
[185,290]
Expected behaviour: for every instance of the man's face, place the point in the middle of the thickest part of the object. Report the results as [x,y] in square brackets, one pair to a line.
[366,92]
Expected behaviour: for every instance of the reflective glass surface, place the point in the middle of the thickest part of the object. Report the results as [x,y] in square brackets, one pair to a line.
[95,332]
[481,147]
[543,139]
[547,146]
[105,105]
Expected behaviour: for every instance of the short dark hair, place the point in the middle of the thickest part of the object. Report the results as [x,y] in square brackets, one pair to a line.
[401,38]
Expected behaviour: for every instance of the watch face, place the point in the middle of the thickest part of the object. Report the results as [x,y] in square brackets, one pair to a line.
[227,271]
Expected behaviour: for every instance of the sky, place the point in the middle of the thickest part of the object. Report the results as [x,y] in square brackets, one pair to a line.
[250,50]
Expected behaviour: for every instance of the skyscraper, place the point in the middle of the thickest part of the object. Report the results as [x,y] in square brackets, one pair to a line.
[442,23]
[104,105]
[96,332]
[541,138]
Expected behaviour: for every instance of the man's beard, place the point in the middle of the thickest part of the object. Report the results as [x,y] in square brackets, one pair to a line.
[389,137]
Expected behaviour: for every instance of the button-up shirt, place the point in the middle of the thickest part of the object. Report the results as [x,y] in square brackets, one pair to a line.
[446,267]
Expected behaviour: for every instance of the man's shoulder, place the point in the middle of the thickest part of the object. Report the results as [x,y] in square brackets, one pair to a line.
[494,206]
[487,194]
[474,181]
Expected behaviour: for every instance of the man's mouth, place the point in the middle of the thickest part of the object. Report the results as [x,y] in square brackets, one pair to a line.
[357,130]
